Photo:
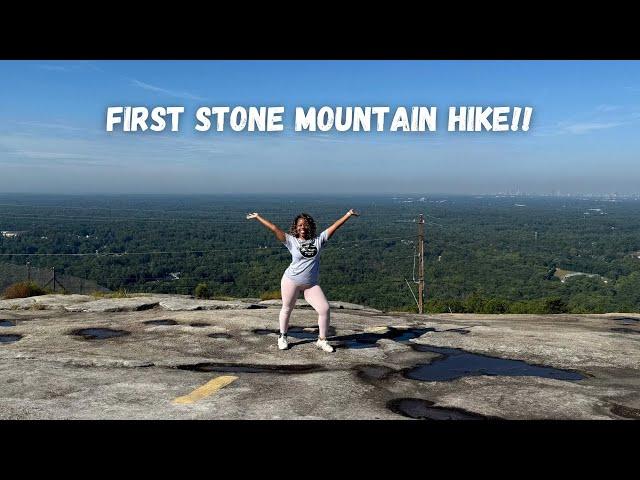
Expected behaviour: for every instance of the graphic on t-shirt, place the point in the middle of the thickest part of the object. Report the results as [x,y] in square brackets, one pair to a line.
[308,250]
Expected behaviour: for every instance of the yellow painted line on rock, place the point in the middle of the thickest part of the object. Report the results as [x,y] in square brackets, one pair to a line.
[207,389]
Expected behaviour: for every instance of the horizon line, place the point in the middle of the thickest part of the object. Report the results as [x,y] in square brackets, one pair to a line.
[324,194]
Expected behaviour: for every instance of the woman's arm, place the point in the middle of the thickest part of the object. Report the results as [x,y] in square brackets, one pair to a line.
[279,233]
[338,224]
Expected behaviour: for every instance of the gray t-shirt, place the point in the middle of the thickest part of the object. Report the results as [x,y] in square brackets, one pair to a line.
[305,254]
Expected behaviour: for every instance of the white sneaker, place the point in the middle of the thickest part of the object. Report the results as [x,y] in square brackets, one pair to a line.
[324,345]
[283,344]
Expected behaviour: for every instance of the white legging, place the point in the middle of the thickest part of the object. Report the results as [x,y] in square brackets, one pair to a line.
[312,294]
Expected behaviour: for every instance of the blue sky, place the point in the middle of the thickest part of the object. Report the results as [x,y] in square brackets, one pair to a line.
[582,137]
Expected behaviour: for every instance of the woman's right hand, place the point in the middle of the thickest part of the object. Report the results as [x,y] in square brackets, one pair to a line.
[251,215]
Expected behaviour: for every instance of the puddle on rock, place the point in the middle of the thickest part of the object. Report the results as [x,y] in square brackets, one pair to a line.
[373,372]
[456,363]
[160,322]
[199,324]
[302,333]
[357,341]
[264,331]
[308,333]
[219,335]
[250,368]
[369,339]
[626,412]
[403,335]
[625,330]
[10,338]
[7,323]
[424,410]
[627,320]
[99,333]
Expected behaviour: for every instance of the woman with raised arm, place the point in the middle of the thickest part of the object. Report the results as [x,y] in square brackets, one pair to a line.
[302,275]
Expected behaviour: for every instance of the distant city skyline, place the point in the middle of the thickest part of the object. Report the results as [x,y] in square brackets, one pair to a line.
[582,139]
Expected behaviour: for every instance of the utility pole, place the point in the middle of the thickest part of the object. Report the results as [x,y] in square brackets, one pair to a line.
[421,263]
[54,281]
[28,271]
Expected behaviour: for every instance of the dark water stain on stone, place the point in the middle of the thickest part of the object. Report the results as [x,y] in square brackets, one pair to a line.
[373,372]
[424,410]
[251,368]
[7,323]
[625,330]
[160,322]
[253,306]
[10,338]
[99,333]
[458,330]
[625,412]
[627,320]
[219,335]
[198,324]
[456,363]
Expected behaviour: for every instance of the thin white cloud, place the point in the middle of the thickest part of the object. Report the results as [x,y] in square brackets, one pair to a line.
[50,155]
[52,125]
[91,66]
[54,68]
[608,108]
[602,117]
[575,127]
[171,93]
[115,151]
[78,66]
[580,128]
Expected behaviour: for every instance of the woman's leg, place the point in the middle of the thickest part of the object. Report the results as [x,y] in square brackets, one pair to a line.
[289,291]
[315,296]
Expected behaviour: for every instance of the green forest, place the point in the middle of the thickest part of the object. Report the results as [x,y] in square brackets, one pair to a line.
[484,254]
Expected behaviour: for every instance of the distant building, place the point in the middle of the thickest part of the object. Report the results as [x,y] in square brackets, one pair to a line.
[10,233]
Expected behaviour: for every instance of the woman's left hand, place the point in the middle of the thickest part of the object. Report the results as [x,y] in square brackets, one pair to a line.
[353,212]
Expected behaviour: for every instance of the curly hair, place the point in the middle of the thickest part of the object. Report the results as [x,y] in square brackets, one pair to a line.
[311,225]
